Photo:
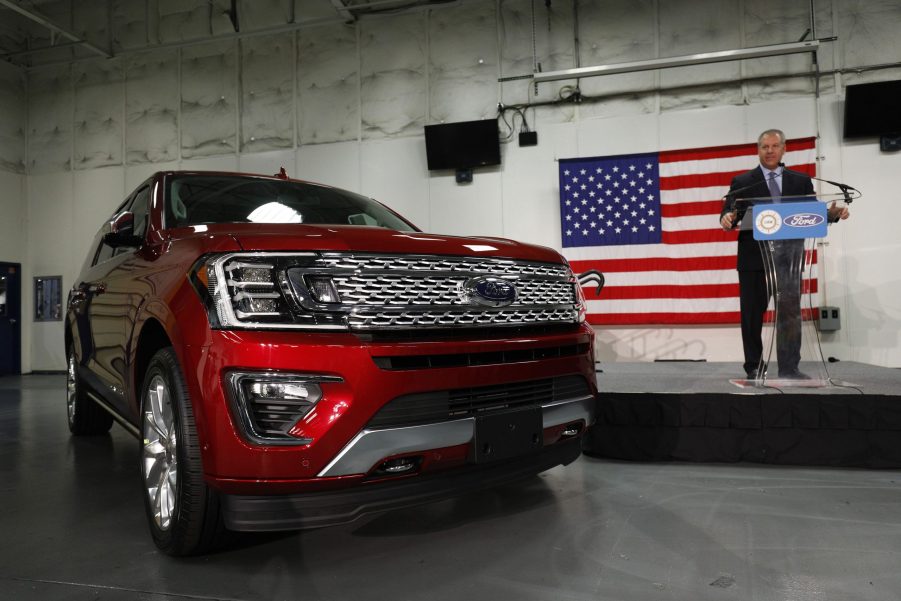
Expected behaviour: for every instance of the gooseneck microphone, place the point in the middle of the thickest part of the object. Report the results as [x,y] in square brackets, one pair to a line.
[773,175]
[845,188]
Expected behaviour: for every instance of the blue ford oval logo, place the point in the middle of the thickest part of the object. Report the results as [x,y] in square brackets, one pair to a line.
[804,220]
[489,292]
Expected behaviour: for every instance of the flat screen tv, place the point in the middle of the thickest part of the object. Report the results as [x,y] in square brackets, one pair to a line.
[463,145]
[872,109]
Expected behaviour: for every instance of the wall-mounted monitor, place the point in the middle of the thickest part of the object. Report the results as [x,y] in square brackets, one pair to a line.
[871,109]
[463,145]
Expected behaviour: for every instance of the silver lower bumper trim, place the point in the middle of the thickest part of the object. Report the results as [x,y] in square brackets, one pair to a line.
[370,446]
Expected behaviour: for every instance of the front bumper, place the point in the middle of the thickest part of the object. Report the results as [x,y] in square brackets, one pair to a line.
[314,510]
[344,449]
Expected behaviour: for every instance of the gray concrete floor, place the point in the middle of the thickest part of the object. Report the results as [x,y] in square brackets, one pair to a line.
[73,529]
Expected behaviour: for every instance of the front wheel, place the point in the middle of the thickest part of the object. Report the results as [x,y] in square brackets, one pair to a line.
[183,513]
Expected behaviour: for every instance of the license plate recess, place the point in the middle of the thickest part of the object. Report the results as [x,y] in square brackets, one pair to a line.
[508,434]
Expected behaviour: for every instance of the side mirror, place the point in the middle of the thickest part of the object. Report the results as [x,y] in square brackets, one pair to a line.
[121,231]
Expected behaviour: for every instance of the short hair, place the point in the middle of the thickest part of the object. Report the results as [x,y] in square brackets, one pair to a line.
[772,132]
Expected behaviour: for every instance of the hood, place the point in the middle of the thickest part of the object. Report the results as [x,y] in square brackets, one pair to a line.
[348,238]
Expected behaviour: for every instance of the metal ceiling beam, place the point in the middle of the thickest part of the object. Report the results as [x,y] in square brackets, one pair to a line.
[680,61]
[53,27]
[343,11]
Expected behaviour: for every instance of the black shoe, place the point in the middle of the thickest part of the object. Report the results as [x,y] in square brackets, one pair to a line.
[752,373]
[793,375]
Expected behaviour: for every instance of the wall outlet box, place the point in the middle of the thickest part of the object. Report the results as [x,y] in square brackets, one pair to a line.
[528,138]
[887,143]
[830,319]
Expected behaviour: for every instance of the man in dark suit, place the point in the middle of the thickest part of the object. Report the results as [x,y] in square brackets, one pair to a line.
[769,179]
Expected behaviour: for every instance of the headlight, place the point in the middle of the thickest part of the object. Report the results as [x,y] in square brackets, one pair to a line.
[257,290]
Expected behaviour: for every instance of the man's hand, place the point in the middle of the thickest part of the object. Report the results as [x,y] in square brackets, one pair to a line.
[835,213]
[728,220]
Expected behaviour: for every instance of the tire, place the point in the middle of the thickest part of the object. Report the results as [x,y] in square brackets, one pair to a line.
[85,417]
[182,511]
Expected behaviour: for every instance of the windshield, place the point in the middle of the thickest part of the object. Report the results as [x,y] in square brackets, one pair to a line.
[202,199]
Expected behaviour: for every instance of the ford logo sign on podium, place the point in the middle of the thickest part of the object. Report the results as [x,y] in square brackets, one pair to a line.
[790,220]
[489,292]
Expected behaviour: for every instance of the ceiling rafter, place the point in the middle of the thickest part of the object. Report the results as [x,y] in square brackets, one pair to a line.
[55,29]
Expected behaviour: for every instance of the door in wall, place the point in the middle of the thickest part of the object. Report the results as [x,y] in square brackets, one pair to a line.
[10,318]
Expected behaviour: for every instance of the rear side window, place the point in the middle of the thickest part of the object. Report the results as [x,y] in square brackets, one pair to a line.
[205,199]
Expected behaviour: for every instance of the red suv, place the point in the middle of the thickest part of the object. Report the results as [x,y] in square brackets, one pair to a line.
[291,355]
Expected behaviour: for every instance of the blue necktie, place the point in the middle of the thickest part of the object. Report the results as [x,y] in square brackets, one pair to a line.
[771,184]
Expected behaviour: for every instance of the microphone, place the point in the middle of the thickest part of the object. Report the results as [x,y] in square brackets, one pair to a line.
[843,187]
[732,193]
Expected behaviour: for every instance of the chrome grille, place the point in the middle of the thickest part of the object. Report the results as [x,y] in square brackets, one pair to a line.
[391,290]
[437,264]
[366,319]
[396,292]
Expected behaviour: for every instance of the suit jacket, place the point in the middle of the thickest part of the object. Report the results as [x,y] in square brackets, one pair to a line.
[752,184]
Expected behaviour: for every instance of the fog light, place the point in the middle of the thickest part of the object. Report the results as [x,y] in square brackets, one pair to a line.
[299,391]
[269,405]
[571,430]
[401,465]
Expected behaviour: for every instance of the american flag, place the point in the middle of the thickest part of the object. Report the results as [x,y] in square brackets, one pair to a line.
[650,223]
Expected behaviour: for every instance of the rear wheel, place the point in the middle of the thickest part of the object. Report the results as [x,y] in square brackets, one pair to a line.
[183,513]
[84,415]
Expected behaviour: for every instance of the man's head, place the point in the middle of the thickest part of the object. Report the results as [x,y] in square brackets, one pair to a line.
[771,148]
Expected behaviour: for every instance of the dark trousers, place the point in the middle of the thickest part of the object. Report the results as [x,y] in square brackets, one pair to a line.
[753,299]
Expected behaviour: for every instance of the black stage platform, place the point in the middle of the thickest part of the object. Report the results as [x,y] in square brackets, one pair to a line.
[690,411]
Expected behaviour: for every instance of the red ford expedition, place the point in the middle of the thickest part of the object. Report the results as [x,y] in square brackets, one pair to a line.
[291,355]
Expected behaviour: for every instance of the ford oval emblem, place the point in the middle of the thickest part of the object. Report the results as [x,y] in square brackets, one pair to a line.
[489,292]
[804,220]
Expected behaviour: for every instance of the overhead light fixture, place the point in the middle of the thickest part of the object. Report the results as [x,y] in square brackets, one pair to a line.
[680,61]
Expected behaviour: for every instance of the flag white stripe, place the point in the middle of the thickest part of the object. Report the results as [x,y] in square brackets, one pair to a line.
[650,251]
[663,305]
[670,278]
[629,279]
[693,194]
[692,222]
[670,305]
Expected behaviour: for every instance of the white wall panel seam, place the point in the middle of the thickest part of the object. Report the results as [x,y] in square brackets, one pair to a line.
[358,35]
[295,64]
[178,125]
[239,98]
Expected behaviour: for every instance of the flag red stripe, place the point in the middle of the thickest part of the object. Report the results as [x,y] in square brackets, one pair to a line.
[735,150]
[719,178]
[651,319]
[676,291]
[672,291]
[698,236]
[660,264]
[655,264]
[689,209]
[645,319]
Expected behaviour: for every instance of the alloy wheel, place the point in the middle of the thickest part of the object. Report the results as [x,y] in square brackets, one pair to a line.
[71,389]
[160,452]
